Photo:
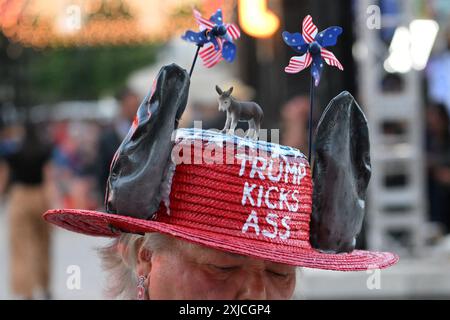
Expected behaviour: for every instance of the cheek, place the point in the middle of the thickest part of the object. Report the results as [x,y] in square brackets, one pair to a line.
[280,289]
[164,278]
[215,287]
[198,284]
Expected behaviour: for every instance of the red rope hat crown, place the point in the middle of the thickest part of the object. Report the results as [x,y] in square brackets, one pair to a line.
[252,191]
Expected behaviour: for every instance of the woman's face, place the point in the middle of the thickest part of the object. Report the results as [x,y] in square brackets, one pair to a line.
[196,272]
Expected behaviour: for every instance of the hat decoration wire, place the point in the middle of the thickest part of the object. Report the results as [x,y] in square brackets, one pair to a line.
[311,46]
[215,40]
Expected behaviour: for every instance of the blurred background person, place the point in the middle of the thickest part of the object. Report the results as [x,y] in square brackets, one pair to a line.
[294,123]
[438,163]
[27,157]
[113,135]
[75,168]
[438,73]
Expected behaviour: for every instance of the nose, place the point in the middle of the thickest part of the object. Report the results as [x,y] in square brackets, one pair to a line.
[253,288]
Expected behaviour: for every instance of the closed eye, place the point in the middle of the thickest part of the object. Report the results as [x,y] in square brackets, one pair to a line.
[224,268]
[278,274]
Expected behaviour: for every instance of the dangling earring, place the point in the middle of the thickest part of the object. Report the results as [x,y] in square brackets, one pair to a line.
[141,288]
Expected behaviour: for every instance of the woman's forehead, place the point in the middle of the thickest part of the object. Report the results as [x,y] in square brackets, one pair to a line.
[202,253]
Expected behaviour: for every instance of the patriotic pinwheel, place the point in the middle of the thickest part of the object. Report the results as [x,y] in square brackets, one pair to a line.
[215,39]
[311,45]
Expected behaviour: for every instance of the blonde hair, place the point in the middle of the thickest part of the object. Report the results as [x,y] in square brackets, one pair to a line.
[119,260]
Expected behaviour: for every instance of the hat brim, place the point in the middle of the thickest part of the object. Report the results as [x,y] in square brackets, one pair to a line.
[96,223]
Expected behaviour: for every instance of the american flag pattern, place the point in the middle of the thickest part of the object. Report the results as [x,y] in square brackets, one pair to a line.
[210,56]
[214,48]
[301,43]
[298,64]
[202,22]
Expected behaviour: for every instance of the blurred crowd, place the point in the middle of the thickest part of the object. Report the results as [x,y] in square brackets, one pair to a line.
[437,140]
[47,165]
[438,165]
[66,164]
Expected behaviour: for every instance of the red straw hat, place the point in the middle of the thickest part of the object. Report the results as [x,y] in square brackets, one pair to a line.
[232,194]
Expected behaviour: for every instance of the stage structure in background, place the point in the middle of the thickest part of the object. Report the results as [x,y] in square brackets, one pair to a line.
[391,90]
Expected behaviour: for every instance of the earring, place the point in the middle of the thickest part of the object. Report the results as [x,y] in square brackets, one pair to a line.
[141,288]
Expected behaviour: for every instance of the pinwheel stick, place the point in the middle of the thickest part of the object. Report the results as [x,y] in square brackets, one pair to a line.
[311,109]
[195,60]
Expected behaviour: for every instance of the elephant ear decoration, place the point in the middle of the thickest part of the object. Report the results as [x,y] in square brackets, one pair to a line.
[341,174]
[141,163]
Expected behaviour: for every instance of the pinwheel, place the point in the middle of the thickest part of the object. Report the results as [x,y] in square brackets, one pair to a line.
[214,40]
[311,46]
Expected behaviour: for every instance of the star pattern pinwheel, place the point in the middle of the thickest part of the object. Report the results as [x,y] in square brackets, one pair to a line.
[311,46]
[215,37]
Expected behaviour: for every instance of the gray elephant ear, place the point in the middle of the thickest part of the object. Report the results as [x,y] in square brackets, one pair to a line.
[341,174]
[141,162]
